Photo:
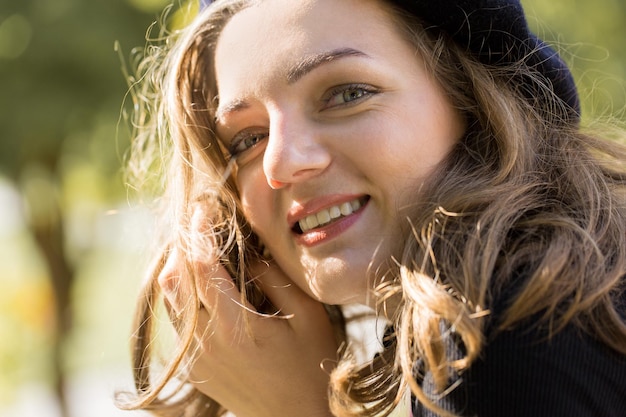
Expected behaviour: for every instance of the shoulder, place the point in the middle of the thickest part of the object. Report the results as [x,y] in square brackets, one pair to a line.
[568,374]
[523,373]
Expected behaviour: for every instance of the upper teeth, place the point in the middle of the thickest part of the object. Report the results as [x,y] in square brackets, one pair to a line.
[325,216]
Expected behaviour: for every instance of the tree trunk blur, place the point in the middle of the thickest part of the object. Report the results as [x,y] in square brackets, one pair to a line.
[46,225]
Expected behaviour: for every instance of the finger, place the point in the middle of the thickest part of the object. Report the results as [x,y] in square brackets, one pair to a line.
[171,282]
[221,297]
[215,287]
[176,279]
[197,298]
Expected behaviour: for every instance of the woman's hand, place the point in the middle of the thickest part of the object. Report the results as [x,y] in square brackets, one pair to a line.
[280,367]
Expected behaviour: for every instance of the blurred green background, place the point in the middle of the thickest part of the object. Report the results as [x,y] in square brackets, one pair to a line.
[72,238]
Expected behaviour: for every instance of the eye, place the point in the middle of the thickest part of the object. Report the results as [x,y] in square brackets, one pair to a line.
[246,140]
[348,94]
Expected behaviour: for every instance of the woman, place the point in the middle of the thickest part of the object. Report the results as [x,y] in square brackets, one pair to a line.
[424,159]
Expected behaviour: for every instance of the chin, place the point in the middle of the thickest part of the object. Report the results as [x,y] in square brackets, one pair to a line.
[332,280]
[339,293]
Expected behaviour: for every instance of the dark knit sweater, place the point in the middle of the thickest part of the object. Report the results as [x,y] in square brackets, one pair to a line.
[521,374]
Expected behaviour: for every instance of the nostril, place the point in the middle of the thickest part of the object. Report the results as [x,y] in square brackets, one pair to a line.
[275,184]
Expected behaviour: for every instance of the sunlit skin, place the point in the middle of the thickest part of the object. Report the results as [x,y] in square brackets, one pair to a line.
[323,102]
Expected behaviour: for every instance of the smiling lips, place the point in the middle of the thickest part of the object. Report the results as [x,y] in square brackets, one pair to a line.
[328,215]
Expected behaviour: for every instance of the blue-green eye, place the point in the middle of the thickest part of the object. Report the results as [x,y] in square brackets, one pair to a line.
[353,94]
[246,140]
[347,94]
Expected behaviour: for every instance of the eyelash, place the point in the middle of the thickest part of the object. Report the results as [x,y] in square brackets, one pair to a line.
[241,138]
[365,91]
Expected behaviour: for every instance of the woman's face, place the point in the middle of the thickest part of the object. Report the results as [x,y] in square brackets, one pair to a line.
[335,125]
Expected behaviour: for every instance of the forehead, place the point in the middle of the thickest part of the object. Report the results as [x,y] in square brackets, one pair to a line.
[263,42]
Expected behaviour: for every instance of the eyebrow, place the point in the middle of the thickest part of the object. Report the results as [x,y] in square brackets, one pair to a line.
[311,62]
[233,106]
[294,73]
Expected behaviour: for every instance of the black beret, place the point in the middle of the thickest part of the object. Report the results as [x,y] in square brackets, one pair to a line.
[497,33]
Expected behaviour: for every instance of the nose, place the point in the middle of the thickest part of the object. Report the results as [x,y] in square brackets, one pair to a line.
[295,151]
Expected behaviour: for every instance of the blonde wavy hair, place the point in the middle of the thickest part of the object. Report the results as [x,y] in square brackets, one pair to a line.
[528,208]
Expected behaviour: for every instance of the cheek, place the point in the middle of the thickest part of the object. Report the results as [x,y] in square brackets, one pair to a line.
[429,138]
[256,199]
